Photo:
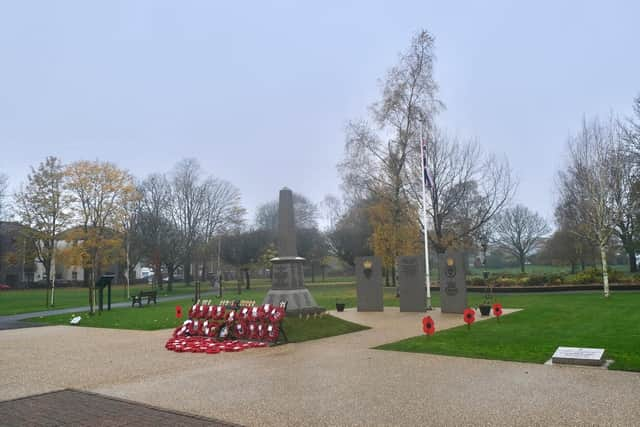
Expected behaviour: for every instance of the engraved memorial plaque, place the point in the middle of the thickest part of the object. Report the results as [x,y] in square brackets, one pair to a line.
[453,288]
[411,280]
[369,283]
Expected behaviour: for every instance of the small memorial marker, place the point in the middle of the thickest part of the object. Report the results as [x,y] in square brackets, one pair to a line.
[578,356]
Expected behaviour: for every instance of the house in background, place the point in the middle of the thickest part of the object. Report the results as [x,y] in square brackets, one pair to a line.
[20,268]
[75,274]
[17,267]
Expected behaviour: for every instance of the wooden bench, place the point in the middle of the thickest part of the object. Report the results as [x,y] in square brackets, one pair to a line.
[149,295]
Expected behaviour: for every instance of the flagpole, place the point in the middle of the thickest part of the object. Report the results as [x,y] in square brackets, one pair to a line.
[424,222]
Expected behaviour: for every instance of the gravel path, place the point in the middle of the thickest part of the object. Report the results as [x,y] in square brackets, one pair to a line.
[333,381]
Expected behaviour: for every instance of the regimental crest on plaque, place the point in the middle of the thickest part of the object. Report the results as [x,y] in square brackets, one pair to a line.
[451,268]
[367,268]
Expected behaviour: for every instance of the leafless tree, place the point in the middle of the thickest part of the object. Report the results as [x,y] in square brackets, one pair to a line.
[373,164]
[586,186]
[332,210]
[155,220]
[631,130]
[4,184]
[223,212]
[519,231]
[305,213]
[626,200]
[470,187]
[188,207]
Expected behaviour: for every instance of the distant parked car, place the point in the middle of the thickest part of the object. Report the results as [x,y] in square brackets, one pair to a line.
[4,287]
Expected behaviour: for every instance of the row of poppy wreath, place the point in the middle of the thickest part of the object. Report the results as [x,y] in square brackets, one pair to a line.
[208,345]
[258,330]
[220,312]
[469,316]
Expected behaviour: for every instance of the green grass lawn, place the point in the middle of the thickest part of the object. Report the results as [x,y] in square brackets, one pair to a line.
[162,316]
[532,335]
[547,321]
[32,300]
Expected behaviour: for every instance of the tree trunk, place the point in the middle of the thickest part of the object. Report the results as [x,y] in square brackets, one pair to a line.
[322,268]
[128,269]
[573,267]
[393,275]
[313,272]
[633,266]
[605,274]
[522,260]
[247,278]
[239,281]
[157,274]
[187,269]
[47,271]
[92,292]
[53,279]
[203,271]
[170,272]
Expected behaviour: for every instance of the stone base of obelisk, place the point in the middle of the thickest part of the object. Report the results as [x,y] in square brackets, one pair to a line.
[288,285]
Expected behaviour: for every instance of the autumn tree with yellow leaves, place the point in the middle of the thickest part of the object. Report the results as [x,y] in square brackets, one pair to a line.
[101,191]
[392,238]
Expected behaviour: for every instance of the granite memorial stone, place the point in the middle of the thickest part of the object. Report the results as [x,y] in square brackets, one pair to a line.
[369,283]
[579,356]
[288,274]
[411,279]
[453,286]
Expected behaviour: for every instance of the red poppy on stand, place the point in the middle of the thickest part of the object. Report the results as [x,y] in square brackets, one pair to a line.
[497,310]
[469,316]
[428,326]
[178,311]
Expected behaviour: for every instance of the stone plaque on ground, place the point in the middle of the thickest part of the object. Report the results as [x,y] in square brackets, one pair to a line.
[411,282]
[579,356]
[288,276]
[453,287]
[369,283]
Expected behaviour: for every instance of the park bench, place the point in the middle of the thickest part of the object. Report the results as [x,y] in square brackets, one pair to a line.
[149,295]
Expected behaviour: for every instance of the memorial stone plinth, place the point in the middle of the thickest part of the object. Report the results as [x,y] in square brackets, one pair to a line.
[369,283]
[411,279]
[578,356]
[453,285]
[287,282]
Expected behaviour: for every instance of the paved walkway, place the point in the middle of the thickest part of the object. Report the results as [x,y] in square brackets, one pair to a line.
[332,381]
[14,321]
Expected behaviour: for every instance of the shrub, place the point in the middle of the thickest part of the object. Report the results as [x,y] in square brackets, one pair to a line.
[475,281]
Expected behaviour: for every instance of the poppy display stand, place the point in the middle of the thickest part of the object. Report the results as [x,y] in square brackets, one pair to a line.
[229,327]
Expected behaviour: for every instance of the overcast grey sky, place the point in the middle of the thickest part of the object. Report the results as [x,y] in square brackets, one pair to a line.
[260,91]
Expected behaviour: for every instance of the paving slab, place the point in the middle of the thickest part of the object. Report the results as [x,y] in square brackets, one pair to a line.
[78,408]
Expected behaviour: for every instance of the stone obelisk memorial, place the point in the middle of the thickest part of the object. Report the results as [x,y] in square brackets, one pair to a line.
[287,283]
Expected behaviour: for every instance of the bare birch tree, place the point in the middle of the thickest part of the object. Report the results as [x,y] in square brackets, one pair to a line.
[586,186]
[376,160]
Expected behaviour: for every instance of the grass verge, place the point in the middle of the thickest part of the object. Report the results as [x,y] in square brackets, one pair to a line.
[547,321]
